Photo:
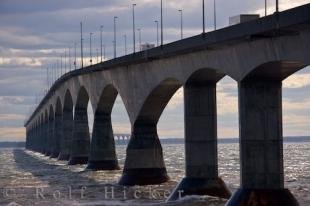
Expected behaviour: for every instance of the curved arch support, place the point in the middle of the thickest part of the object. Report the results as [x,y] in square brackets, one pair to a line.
[67,127]
[261,141]
[58,130]
[144,160]
[50,136]
[102,150]
[45,133]
[201,138]
[81,138]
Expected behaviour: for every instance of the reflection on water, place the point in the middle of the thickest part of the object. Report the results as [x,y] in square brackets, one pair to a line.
[29,178]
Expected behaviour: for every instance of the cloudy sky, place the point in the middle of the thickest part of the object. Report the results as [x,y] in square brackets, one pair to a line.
[35,33]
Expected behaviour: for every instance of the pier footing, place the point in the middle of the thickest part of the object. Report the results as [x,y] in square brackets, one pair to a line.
[200,186]
[257,197]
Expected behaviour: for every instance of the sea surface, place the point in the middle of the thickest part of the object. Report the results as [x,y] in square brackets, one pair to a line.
[28,178]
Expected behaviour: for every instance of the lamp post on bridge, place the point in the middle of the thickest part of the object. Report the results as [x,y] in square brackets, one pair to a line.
[90,53]
[181,16]
[69,57]
[157,35]
[277,6]
[75,55]
[61,64]
[214,13]
[115,17]
[133,27]
[203,17]
[104,56]
[161,22]
[65,61]
[82,65]
[139,30]
[101,30]
[125,43]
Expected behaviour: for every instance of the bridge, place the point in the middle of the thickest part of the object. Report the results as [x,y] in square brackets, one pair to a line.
[258,54]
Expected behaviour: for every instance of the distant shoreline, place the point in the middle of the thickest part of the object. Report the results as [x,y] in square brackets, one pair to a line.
[173,141]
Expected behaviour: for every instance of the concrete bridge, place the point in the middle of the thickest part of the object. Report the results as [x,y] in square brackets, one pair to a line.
[259,55]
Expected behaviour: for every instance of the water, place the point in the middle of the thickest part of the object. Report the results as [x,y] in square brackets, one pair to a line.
[29,178]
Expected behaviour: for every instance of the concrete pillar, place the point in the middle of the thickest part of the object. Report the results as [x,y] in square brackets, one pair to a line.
[81,140]
[261,146]
[27,139]
[50,141]
[102,150]
[48,138]
[67,132]
[42,140]
[144,163]
[35,139]
[200,144]
[44,137]
[57,136]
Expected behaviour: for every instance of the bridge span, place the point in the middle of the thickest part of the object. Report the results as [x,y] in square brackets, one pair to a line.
[258,54]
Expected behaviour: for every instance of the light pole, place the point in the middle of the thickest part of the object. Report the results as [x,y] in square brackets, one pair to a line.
[181,15]
[139,30]
[125,41]
[214,13]
[90,54]
[115,36]
[47,79]
[104,57]
[161,22]
[82,65]
[157,32]
[65,61]
[74,55]
[277,6]
[69,58]
[265,7]
[101,30]
[203,17]
[133,27]
[61,64]
[97,50]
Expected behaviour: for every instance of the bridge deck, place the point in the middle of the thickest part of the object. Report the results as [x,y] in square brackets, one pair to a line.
[288,22]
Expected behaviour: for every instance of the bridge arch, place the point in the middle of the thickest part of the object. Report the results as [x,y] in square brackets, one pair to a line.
[41,133]
[57,129]
[81,138]
[50,131]
[261,129]
[67,126]
[275,70]
[200,134]
[46,126]
[144,160]
[102,151]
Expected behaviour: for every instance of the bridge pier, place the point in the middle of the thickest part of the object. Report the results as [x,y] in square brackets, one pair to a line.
[40,148]
[144,163]
[200,144]
[261,146]
[67,132]
[102,152]
[50,134]
[57,136]
[45,137]
[81,140]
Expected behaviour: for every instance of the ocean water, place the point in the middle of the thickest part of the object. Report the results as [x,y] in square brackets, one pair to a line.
[28,178]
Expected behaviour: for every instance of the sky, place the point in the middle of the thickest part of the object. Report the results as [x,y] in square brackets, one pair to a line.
[35,33]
